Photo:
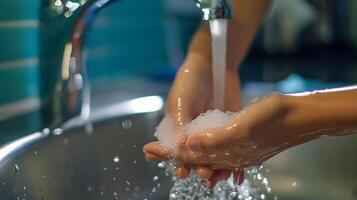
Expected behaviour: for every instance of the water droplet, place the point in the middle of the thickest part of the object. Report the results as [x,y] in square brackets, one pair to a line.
[114,178]
[155,178]
[35,153]
[46,131]
[259,177]
[116,159]
[161,165]
[89,189]
[134,161]
[24,188]
[117,168]
[115,194]
[153,189]
[101,193]
[16,168]
[262,196]
[269,189]
[126,124]
[127,182]
[294,184]
[265,181]
[105,169]
[57,131]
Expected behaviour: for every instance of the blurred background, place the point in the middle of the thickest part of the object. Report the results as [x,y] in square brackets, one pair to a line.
[303,45]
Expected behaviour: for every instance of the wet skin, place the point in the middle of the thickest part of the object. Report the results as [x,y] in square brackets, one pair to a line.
[265,128]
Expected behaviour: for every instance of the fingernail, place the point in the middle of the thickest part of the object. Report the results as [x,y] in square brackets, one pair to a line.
[194,145]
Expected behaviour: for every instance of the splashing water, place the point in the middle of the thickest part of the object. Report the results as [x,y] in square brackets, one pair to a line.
[255,187]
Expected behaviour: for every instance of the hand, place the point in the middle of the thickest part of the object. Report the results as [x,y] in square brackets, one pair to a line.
[261,131]
[191,95]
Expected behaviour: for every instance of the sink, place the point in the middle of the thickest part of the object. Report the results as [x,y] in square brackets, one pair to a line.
[102,159]
[98,160]
[322,169]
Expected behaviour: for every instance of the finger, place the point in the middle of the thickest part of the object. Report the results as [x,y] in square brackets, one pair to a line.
[208,141]
[182,171]
[152,157]
[155,149]
[223,174]
[204,172]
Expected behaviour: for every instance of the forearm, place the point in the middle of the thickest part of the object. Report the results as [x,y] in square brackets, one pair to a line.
[327,112]
[242,27]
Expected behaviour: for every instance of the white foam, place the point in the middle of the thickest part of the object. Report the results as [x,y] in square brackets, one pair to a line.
[168,134]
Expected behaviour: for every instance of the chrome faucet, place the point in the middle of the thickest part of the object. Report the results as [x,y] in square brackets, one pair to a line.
[214,9]
[64,81]
[63,76]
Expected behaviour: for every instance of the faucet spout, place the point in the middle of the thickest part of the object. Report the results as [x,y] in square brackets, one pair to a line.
[214,9]
[64,24]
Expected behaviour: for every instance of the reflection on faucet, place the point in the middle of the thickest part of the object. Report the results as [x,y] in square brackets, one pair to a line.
[214,9]
[70,96]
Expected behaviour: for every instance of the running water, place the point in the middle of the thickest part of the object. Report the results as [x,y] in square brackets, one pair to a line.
[218,28]
[256,185]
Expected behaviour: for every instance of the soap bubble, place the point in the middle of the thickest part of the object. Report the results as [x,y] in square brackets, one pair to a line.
[168,135]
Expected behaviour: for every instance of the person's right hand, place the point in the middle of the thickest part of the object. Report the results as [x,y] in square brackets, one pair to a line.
[191,95]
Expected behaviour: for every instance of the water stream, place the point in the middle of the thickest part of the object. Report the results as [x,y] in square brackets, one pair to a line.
[218,28]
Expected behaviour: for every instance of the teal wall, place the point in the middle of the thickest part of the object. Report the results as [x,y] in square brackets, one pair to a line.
[19,99]
[127,38]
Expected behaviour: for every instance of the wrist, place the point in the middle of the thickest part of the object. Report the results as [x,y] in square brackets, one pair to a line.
[311,118]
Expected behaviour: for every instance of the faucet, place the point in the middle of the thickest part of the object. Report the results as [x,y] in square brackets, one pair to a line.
[64,84]
[214,9]
[65,88]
